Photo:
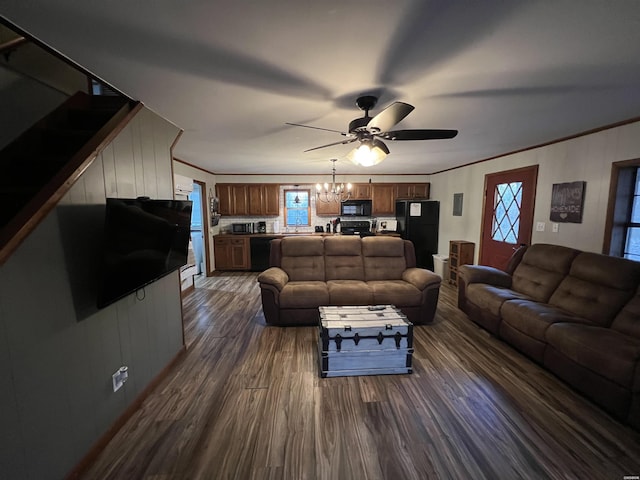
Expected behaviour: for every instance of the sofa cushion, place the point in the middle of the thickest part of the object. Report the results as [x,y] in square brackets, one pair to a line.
[303,258]
[304,294]
[533,318]
[384,258]
[395,292]
[601,350]
[542,269]
[628,320]
[349,292]
[489,297]
[597,287]
[343,258]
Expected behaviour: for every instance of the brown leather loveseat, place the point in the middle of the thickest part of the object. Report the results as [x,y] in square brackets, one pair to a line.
[309,271]
[576,313]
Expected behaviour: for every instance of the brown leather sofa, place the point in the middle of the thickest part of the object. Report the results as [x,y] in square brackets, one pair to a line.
[576,313]
[309,271]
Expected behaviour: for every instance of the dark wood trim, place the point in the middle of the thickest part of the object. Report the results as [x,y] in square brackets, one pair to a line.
[328,175]
[616,167]
[205,225]
[97,448]
[193,166]
[545,144]
[18,228]
[540,145]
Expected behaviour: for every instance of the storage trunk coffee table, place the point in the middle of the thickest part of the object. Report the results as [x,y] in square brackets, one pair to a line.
[367,340]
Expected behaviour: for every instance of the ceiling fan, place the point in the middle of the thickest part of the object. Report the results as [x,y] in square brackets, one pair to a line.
[370,130]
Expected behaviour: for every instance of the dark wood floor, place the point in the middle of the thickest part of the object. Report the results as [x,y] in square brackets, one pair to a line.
[247,403]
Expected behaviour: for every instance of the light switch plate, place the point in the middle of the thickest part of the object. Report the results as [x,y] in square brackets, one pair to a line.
[554,227]
[540,227]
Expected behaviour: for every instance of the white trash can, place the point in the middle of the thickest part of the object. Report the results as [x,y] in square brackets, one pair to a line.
[441,265]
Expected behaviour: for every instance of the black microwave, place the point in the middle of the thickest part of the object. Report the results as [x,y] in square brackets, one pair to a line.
[355,208]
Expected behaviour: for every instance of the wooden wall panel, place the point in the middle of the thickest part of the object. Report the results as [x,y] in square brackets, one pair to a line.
[138,162]
[60,350]
[124,166]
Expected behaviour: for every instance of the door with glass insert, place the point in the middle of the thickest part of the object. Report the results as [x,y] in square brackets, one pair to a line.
[508,214]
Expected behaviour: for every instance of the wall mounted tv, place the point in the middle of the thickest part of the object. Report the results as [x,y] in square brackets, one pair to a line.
[144,240]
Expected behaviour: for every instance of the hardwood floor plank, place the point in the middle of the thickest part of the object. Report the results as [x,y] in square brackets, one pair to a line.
[246,402]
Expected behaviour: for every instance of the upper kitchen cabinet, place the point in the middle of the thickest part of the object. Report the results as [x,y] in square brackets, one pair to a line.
[233,199]
[327,208]
[412,190]
[224,197]
[361,191]
[249,199]
[383,197]
[271,198]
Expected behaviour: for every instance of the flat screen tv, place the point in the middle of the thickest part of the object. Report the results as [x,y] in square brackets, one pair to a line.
[144,240]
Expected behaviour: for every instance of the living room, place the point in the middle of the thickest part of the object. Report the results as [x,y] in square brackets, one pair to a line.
[57,364]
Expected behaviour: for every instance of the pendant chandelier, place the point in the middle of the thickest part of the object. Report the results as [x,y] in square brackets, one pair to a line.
[334,192]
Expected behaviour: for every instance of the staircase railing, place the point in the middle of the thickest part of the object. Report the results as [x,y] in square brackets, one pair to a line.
[52,155]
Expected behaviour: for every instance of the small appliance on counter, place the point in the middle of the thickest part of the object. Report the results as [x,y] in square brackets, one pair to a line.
[241,228]
[355,227]
[387,226]
[260,227]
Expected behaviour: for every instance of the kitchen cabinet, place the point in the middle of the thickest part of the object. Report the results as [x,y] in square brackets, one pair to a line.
[271,199]
[361,191]
[253,199]
[383,199]
[460,253]
[240,200]
[224,198]
[231,252]
[412,190]
[330,208]
[233,199]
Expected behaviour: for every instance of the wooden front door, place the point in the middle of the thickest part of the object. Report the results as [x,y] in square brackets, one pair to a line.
[508,214]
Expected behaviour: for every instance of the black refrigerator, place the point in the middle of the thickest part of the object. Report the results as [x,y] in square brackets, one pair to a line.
[418,222]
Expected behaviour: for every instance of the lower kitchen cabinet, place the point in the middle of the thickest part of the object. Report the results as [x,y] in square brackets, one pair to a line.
[231,252]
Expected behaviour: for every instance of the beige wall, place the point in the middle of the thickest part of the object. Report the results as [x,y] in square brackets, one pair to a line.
[586,158]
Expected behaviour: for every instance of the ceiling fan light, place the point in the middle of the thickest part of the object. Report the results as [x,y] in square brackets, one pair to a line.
[367,156]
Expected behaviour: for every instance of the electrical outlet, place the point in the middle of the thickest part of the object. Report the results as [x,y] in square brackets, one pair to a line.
[540,227]
[119,378]
[554,227]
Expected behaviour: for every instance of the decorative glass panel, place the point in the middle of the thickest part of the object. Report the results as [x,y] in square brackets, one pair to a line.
[506,212]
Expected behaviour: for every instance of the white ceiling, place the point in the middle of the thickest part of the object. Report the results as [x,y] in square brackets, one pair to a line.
[507,74]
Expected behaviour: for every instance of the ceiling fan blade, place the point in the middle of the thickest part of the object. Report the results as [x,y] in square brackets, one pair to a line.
[429,134]
[387,118]
[342,142]
[317,128]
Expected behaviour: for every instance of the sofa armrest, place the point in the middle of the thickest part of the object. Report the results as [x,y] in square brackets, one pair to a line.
[274,276]
[421,278]
[484,274]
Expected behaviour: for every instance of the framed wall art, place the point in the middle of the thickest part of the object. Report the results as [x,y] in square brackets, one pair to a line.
[567,202]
